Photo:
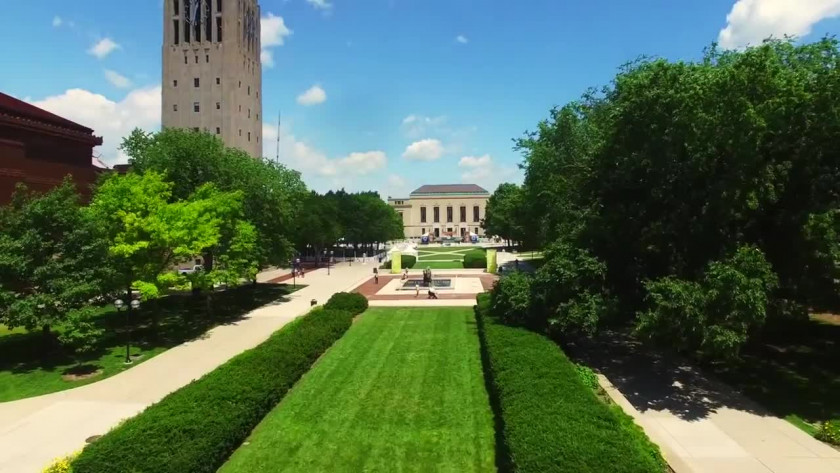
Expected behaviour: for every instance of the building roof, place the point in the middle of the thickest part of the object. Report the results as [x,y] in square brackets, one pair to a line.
[437,189]
[12,106]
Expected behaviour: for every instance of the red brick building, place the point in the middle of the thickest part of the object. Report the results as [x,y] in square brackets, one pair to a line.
[39,148]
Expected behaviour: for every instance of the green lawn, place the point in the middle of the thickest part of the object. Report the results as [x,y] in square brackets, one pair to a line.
[31,365]
[439,265]
[403,390]
[442,258]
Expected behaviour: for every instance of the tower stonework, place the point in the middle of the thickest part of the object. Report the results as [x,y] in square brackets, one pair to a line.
[212,76]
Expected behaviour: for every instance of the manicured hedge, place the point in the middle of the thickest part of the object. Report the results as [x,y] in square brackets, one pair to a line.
[350,301]
[406,261]
[475,259]
[551,421]
[196,428]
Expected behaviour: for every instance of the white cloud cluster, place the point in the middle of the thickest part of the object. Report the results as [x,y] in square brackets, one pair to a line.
[484,171]
[111,120]
[312,96]
[320,4]
[751,21]
[57,21]
[424,150]
[462,39]
[273,32]
[311,162]
[117,80]
[415,126]
[103,48]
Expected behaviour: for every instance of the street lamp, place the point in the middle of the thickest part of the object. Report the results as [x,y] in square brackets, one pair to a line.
[134,304]
[329,262]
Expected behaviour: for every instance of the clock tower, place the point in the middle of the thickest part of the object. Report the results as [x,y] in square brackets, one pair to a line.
[212,76]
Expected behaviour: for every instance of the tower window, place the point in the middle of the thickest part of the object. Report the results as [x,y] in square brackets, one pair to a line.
[175,107]
[218,130]
[240,132]
[185,59]
[258,94]
[240,84]
[186,26]
[208,25]
[218,80]
[218,5]
[249,136]
[195,81]
[240,108]
[175,83]
[196,106]
[258,116]
[249,90]
[207,58]
[195,129]
[196,59]
[176,26]
[219,26]
[175,4]
[258,138]
[249,113]
[218,105]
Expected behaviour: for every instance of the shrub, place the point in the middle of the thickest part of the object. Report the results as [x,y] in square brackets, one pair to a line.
[830,432]
[61,465]
[475,259]
[197,427]
[510,299]
[785,317]
[551,421]
[406,261]
[569,291]
[587,376]
[350,301]
[714,317]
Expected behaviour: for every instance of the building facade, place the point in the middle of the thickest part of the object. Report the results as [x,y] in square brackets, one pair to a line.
[212,75]
[443,210]
[40,149]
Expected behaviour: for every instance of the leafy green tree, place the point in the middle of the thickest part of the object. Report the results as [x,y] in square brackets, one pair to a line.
[502,216]
[149,235]
[52,259]
[272,194]
[80,333]
[318,225]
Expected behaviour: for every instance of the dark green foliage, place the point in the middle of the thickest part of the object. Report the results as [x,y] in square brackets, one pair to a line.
[196,428]
[587,376]
[713,317]
[676,164]
[785,317]
[475,259]
[830,432]
[352,302]
[552,421]
[501,217]
[569,291]
[408,261]
[510,299]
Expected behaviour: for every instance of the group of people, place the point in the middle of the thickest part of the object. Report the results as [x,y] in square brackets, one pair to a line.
[297,269]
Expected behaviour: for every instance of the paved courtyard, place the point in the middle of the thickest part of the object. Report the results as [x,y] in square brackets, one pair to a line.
[36,430]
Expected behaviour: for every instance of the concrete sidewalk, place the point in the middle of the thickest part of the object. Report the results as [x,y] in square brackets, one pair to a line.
[701,424]
[36,430]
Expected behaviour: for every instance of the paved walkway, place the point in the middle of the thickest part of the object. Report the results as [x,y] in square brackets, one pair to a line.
[701,424]
[36,430]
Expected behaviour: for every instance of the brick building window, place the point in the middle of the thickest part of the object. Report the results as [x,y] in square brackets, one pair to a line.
[218,80]
[475,214]
[437,214]
[175,107]
[463,214]
[423,215]
[218,131]
[196,107]
[196,82]
[449,214]
[218,105]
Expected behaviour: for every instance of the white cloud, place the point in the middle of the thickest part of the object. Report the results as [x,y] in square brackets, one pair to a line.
[273,32]
[313,96]
[462,39]
[108,119]
[117,80]
[482,170]
[751,21]
[424,150]
[396,181]
[313,163]
[103,47]
[320,4]
[415,126]
[57,21]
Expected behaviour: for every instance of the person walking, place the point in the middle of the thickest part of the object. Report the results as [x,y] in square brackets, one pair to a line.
[376,275]
[432,292]
[416,290]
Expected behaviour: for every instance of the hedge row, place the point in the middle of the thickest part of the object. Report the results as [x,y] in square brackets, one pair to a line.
[196,428]
[352,302]
[551,421]
[475,259]
[406,261]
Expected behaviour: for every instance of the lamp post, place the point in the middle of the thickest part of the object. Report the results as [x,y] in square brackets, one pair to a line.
[134,304]
[329,262]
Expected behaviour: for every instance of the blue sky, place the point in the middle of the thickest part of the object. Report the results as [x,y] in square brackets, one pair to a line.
[401,92]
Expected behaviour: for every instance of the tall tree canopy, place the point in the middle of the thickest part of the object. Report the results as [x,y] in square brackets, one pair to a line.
[272,194]
[678,165]
[502,217]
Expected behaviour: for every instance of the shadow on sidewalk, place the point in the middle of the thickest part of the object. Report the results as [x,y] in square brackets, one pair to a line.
[652,380]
